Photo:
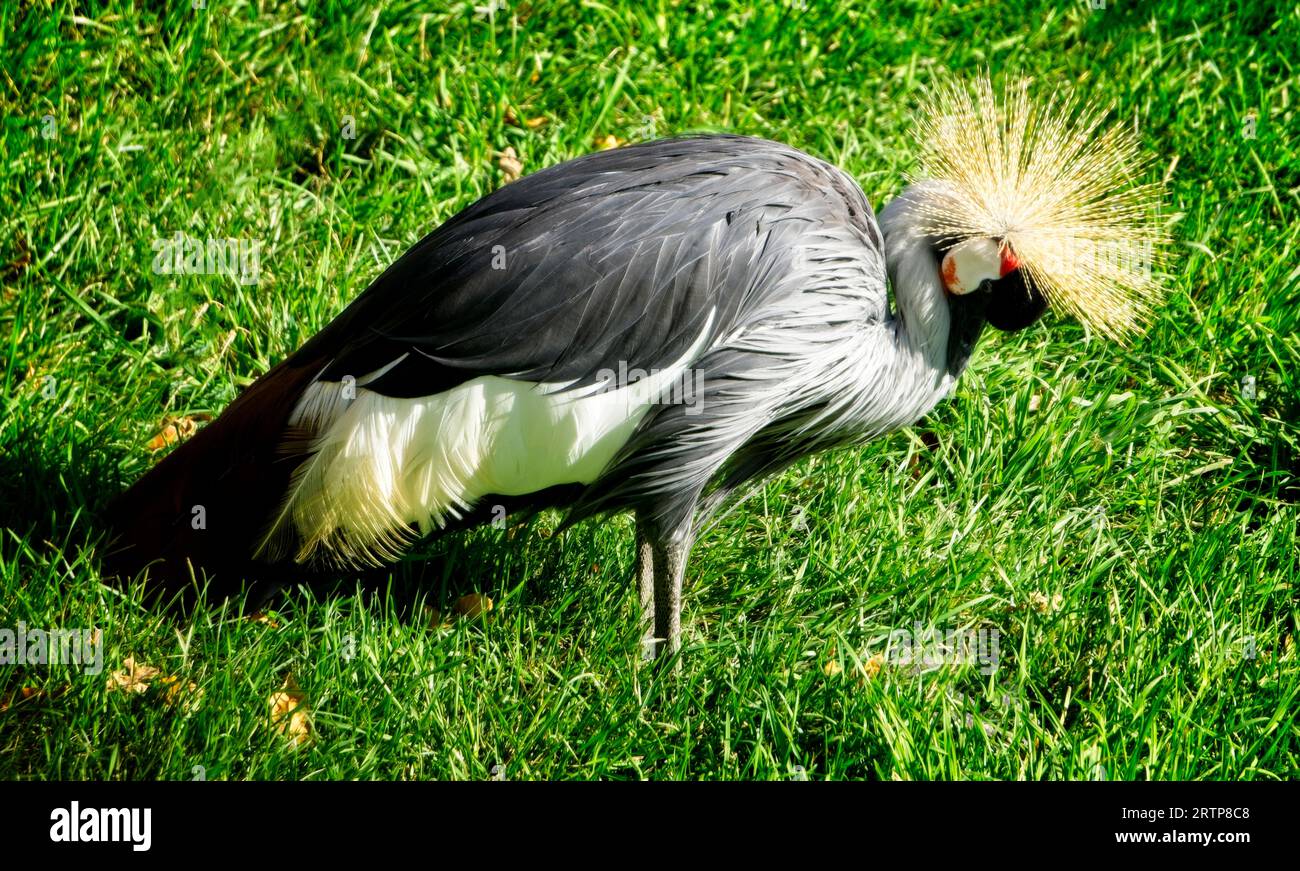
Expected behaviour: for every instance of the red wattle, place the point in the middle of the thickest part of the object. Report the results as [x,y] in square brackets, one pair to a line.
[1009,262]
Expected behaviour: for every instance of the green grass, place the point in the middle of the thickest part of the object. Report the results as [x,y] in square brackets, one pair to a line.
[1125,518]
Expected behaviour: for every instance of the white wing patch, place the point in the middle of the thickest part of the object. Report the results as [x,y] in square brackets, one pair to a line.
[382,467]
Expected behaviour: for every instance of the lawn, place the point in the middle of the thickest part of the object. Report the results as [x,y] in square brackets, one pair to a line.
[1122,520]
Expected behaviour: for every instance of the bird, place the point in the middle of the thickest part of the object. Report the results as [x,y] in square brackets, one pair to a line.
[656,329]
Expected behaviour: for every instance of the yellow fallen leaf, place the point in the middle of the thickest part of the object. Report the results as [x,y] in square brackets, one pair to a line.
[832,668]
[1044,605]
[168,436]
[133,677]
[184,694]
[176,429]
[872,666]
[534,123]
[473,605]
[510,165]
[290,715]
[604,143]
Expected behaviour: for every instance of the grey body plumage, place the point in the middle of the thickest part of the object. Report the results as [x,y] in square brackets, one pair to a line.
[763,265]
[623,258]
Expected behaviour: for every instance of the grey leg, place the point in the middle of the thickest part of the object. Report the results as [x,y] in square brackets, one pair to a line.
[670,567]
[661,565]
[645,581]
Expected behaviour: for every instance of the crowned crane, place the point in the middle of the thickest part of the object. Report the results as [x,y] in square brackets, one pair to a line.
[654,329]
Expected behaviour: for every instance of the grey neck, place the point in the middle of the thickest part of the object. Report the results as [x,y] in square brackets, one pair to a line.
[923,315]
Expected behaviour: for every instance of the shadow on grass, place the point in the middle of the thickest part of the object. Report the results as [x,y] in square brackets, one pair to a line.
[55,491]
[60,493]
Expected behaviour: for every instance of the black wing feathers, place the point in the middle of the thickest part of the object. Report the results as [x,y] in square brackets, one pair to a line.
[618,256]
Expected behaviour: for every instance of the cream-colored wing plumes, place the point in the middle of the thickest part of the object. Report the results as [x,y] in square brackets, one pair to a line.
[1050,181]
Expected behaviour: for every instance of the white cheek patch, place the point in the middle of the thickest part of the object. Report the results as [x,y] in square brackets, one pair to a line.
[382,465]
[968,265]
